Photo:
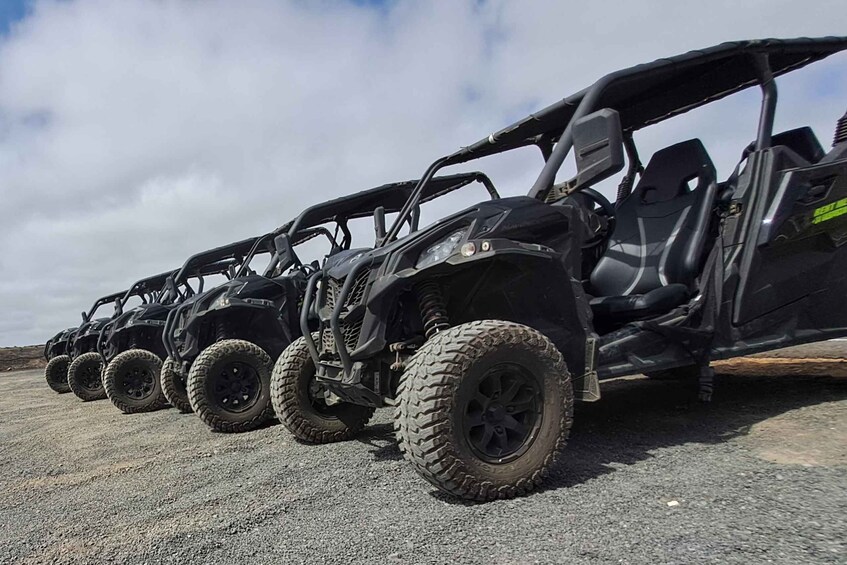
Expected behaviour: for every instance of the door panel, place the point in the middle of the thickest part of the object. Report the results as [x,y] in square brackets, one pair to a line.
[799,245]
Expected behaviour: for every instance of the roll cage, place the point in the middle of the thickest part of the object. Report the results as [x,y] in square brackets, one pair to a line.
[230,260]
[644,95]
[386,199]
[149,289]
[115,298]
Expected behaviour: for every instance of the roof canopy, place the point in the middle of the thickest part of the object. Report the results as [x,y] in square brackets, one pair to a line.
[390,196]
[652,92]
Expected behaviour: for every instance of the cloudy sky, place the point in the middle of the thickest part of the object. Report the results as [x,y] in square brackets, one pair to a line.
[135,133]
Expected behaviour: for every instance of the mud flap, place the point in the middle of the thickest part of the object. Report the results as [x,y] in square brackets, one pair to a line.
[587,387]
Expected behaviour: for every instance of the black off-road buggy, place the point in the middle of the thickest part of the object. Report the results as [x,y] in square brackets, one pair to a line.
[85,369]
[221,344]
[57,353]
[131,344]
[482,329]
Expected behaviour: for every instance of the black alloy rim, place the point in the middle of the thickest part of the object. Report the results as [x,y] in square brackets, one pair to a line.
[503,415]
[237,387]
[59,370]
[138,382]
[90,375]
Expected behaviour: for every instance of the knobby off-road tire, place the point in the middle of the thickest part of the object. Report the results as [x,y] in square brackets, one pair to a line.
[174,387]
[131,381]
[56,373]
[299,404]
[85,377]
[455,401]
[229,386]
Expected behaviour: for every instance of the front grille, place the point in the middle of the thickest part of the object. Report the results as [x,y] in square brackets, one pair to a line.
[355,297]
[351,333]
[357,293]
[327,343]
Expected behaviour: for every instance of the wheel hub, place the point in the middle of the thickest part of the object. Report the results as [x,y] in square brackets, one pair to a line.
[138,382]
[495,413]
[91,376]
[503,416]
[238,387]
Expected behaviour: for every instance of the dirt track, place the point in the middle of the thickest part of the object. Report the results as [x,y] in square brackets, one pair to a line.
[649,476]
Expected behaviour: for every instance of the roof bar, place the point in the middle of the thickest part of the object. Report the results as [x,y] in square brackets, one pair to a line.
[769,95]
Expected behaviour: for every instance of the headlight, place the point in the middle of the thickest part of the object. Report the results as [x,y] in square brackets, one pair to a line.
[221,301]
[441,250]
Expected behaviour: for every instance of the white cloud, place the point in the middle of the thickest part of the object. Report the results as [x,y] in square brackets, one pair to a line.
[134,133]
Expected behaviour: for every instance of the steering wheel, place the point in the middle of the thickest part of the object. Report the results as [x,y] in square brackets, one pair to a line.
[606,207]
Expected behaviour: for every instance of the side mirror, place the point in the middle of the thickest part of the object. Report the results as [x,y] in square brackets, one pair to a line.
[170,289]
[84,317]
[285,254]
[379,223]
[598,147]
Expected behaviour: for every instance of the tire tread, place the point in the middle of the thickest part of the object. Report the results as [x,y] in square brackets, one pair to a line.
[424,400]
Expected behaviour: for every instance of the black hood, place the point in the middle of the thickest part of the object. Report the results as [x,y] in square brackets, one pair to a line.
[251,286]
[520,217]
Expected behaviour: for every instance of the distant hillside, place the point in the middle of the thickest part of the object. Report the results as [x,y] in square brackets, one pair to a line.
[18,358]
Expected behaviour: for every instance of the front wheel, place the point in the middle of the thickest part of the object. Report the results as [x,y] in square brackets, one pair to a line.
[85,377]
[56,373]
[484,408]
[299,401]
[229,386]
[131,381]
[173,385]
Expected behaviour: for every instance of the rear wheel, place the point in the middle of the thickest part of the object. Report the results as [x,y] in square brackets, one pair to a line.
[85,376]
[484,408]
[174,386]
[131,381]
[56,373]
[229,386]
[300,401]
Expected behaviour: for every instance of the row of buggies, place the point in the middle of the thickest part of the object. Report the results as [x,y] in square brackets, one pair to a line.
[482,329]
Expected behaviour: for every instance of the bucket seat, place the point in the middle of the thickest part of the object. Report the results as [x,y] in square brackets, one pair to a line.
[655,251]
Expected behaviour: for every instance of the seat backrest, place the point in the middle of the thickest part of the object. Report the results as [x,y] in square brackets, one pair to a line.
[660,229]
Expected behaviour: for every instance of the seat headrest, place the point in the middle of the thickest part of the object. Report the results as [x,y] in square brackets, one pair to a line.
[802,141]
[670,169]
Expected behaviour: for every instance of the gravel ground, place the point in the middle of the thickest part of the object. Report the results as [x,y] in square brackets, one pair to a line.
[649,476]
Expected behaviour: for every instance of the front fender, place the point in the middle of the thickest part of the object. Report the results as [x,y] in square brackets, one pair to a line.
[192,335]
[524,283]
[487,250]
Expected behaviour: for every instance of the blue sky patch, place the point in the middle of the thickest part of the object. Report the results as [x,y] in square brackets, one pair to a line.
[12,11]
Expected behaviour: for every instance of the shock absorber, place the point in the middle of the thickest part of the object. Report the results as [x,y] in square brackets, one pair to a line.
[433,309]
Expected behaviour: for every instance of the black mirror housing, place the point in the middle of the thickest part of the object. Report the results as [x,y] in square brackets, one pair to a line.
[598,147]
[379,223]
[284,252]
